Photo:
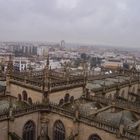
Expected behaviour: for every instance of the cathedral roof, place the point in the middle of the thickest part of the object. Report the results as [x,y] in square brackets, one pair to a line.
[107,82]
[122,117]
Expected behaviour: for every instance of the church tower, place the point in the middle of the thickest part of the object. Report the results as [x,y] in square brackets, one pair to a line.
[9,72]
[46,80]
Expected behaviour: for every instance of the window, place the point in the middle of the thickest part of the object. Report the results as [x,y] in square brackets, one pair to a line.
[19,97]
[94,137]
[29,131]
[72,99]
[24,94]
[30,100]
[61,102]
[58,131]
[66,98]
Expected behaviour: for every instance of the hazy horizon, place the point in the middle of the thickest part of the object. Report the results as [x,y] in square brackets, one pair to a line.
[95,22]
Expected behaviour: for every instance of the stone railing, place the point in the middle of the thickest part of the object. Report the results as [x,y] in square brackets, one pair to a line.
[119,103]
[4,114]
[93,77]
[116,86]
[66,85]
[37,84]
[54,108]
[99,123]
[2,77]
[33,82]
[25,80]
[29,84]
[96,122]
[17,78]
[8,98]
[56,74]
[130,105]
[32,108]
[131,135]
[107,126]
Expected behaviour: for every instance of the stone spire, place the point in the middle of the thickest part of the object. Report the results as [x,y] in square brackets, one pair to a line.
[48,60]
[104,87]
[46,80]
[9,72]
[84,75]
[133,69]
[66,67]
[46,69]
[117,88]
[9,66]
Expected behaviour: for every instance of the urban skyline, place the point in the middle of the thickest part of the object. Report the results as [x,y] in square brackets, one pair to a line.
[104,22]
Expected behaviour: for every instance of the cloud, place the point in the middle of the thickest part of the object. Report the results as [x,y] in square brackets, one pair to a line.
[91,21]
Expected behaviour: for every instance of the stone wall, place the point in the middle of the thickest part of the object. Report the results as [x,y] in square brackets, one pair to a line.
[68,124]
[18,124]
[4,130]
[36,96]
[56,96]
[81,130]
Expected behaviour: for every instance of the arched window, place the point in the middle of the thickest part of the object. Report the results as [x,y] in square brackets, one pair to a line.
[19,97]
[61,102]
[24,95]
[30,100]
[94,137]
[66,98]
[45,94]
[58,131]
[87,93]
[29,131]
[72,99]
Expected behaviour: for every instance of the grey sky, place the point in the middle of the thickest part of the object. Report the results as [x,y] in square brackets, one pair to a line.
[114,22]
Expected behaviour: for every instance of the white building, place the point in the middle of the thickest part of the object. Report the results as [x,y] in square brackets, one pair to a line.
[42,50]
[21,63]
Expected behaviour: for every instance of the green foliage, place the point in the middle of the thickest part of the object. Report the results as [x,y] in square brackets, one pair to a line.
[83,56]
[95,61]
[77,62]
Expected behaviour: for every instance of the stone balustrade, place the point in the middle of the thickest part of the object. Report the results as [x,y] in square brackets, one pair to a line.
[116,86]
[54,86]
[119,103]
[54,108]
[4,114]
[93,77]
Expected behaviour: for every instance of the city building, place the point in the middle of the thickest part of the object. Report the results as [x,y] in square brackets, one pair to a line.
[52,105]
[21,63]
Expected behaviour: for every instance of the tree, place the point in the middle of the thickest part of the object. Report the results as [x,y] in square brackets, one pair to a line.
[83,56]
[77,62]
[94,61]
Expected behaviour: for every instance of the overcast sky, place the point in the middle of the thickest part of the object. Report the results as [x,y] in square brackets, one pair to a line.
[115,22]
